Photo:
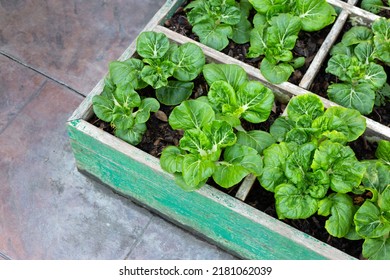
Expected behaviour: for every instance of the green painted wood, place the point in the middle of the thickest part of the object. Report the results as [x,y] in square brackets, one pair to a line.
[132,175]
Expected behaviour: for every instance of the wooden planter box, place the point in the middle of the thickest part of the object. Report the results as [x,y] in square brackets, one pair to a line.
[224,220]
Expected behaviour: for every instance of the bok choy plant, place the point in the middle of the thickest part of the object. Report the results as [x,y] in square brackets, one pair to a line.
[311,169]
[372,219]
[276,28]
[210,146]
[217,21]
[164,66]
[355,61]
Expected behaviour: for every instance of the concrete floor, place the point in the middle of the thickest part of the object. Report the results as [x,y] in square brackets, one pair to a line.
[52,53]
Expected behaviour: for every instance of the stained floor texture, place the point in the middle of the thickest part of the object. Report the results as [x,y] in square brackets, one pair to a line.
[52,53]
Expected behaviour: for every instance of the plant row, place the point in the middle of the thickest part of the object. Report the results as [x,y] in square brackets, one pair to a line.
[304,158]
[272,28]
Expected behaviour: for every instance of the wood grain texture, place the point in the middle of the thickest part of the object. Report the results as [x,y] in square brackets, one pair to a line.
[330,39]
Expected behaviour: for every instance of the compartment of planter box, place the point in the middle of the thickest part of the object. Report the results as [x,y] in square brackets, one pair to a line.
[366,88]
[224,220]
[348,11]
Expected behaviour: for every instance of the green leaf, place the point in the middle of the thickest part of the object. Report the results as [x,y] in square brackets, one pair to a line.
[345,171]
[196,170]
[306,104]
[347,121]
[369,221]
[212,34]
[191,114]
[231,15]
[171,159]
[383,151]
[126,97]
[258,43]
[340,207]
[364,52]
[123,73]
[103,107]
[276,73]
[196,142]
[189,60]
[220,134]
[384,199]
[222,95]
[179,180]
[314,14]
[360,97]
[292,203]
[244,156]
[256,139]
[376,75]
[271,178]
[376,177]
[147,105]
[338,65]
[235,75]
[381,29]
[133,135]
[377,248]
[152,44]
[283,31]
[280,128]
[373,6]
[298,163]
[340,48]
[174,92]
[157,75]
[263,6]
[356,35]
[239,162]
[275,157]
[242,30]
[255,101]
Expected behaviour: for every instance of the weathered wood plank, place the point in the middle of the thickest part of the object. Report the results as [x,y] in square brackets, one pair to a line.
[230,223]
[366,16]
[330,39]
[245,187]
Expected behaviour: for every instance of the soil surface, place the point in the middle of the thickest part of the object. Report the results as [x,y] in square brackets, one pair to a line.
[307,45]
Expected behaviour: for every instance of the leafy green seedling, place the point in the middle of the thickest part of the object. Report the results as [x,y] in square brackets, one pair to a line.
[217,21]
[362,80]
[372,219]
[233,96]
[124,109]
[276,28]
[166,67]
[205,139]
[311,160]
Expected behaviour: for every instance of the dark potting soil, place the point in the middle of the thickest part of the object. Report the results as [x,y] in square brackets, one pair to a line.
[307,45]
